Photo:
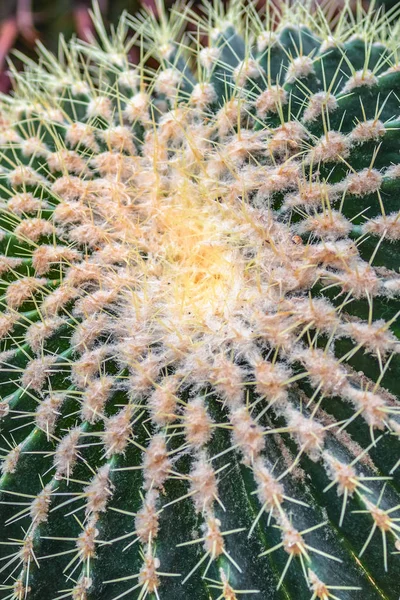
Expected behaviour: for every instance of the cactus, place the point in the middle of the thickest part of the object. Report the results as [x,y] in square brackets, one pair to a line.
[199,338]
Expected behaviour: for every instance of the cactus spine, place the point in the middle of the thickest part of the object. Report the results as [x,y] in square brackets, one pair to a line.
[199,338]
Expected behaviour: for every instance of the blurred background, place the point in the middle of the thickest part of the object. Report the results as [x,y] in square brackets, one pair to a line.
[23,22]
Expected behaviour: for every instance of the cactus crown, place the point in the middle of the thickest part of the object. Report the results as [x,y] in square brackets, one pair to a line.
[199,342]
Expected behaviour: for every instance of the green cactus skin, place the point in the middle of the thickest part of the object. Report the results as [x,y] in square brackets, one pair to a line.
[199,338]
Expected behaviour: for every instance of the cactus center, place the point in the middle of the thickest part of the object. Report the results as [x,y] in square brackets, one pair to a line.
[202,267]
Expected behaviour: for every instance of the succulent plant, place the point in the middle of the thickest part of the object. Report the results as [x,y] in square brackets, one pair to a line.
[199,338]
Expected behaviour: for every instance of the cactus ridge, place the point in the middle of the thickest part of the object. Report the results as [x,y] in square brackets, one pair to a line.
[200,356]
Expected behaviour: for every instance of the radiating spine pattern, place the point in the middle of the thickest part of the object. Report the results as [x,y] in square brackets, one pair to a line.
[200,356]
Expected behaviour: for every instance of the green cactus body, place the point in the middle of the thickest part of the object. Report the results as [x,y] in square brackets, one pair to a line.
[199,337]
